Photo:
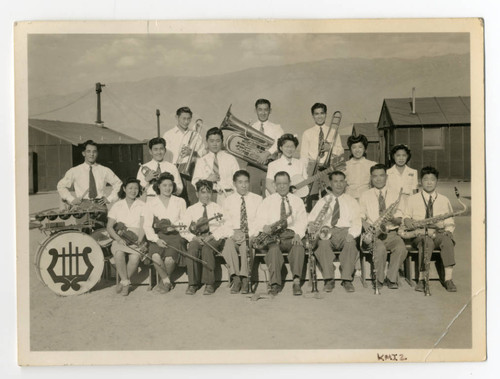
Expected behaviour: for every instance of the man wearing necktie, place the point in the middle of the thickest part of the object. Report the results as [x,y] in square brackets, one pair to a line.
[240,210]
[427,204]
[343,218]
[373,204]
[279,206]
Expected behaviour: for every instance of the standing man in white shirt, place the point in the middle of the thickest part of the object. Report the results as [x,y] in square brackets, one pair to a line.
[157,166]
[263,125]
[216,166]
[282,205]
[240,210]
[89,180]
[313,139]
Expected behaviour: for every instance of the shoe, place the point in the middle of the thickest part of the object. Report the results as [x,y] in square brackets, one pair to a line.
[191,290]
[391,285]
[420,286]
[329,285]
[119,287]
[236,287]
[275,289]
[245,286]
[347,284]
[160,287]
[297,291]
[450,286]
[126,290]
[209,290]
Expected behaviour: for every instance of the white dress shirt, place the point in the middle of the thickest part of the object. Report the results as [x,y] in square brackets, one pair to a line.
[310,143]
[164,167]
[441,205]
[195,212]
[78,177]
[350,216]
[294,167]
[369,205]
[155,208]
[270,210]
[357,174]
[232,209]
[228,165]
[176,138]
[407,180]
[271,130]
[131,217]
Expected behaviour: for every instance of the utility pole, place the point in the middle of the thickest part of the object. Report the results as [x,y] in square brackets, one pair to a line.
[98,90]
[158,122]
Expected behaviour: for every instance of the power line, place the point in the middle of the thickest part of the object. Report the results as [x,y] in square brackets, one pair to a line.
[64,106]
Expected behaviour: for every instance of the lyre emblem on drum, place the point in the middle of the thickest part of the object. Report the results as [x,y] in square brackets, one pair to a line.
[70,267]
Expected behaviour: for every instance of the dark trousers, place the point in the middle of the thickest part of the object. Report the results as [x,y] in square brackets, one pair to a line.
[440,241]
[348,255]
[274,259]
[395,244]
[197,273]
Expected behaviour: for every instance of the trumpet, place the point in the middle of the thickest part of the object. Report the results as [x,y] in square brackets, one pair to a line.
[186,168]
[145,170]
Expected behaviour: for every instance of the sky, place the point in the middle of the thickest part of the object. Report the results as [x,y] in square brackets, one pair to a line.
[60,64]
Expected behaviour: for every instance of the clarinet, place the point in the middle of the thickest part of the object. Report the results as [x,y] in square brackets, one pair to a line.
[312,262]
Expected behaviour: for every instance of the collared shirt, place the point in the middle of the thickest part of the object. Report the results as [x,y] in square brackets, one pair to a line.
[78,177]
[350,216]
[131,217]
[232,209]
[271,130]
[155,208]
[297,168]
[310,143]
[195,212]
[369,205]
[407,180]
[228,165]
[358,176]
[441,205]
[270,210]
[177,138]
[164,167]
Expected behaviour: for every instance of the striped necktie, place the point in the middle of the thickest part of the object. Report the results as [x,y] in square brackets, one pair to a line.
[381,203]
[321,139]
[216,165]
[429,211]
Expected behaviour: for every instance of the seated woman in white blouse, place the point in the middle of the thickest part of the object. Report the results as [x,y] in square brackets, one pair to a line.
[129,210]
[165,239]
[296,168]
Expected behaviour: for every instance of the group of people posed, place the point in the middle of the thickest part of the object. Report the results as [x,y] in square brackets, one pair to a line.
[231,212]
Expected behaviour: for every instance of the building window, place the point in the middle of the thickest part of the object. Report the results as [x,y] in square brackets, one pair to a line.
[433,138]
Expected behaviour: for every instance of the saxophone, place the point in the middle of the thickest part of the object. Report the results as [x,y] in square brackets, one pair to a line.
[372,231]
[263,239]
[314,229]
[421,225]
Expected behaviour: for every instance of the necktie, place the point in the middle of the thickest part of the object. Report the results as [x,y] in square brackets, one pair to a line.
[158,169]
[283,209]
[429,212]
[205,214]
[336,212]
[243,216]
[92,185]
[381,203]
[216,165]
[262,127]
[321,139]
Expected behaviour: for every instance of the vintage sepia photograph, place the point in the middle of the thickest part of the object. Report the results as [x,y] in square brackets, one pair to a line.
[259,191]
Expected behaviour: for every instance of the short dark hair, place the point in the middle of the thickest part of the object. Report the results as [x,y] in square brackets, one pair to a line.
[156,141]
[200,184]
[183,110]
[239,173]
[121,193]
[334,173]
[356,139]
[318,105]
[429,170]
[262,101]
[395,149]
[89,142]
[287,137]
[378,166]
[215,131]
[164,176]
[282,173]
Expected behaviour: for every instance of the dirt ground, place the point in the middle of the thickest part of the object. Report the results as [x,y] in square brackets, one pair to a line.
[403,318]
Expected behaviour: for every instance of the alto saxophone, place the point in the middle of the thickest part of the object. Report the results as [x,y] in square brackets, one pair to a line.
[372,231]
[265,239]
[315,230]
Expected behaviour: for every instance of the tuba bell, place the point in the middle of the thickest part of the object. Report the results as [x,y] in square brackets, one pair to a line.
[244,141]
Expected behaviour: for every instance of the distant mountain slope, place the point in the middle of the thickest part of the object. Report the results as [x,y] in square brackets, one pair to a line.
[354,86]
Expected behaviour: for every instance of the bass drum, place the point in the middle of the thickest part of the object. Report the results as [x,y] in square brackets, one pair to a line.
[69,263]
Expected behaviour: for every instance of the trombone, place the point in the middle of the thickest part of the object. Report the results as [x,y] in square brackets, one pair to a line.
[186,168]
